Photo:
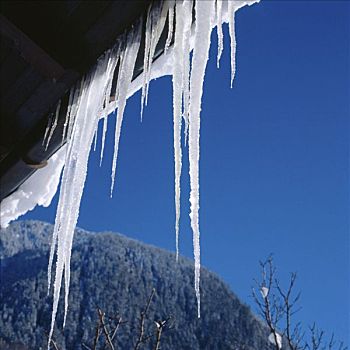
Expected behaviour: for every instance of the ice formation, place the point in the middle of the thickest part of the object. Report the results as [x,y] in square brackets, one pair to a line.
[51,126]
[39,189]
[180,94]
[155,23]
[232,6]
[190,23]
[219,31]
[204,19]
[104,130]
[126,70]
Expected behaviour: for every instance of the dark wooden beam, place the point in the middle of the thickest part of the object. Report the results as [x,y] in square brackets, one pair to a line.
[31,52]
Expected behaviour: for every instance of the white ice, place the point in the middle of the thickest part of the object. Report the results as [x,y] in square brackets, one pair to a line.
[39,189]
[156,19]
[219,30]
[204,17]
[54,125]
[126,70]
[231,11]
[90,104]
[104,131]
[264,292]
[278,339]
[170,25]
[90,100]
[180,95]
[66,122]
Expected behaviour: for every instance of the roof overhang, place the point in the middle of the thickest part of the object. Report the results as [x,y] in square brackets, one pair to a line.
[46,47]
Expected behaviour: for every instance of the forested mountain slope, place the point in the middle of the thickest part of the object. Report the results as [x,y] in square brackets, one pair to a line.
[117,274]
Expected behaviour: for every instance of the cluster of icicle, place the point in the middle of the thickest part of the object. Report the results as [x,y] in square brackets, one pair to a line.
[90,101]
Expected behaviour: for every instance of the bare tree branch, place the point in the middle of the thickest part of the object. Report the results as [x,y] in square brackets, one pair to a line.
[54,344]
[140,339]
[119,322]
[104,328]
[277,306]
[269,306]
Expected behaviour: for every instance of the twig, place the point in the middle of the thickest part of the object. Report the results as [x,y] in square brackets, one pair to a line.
[160,327]
[54,344]
[97,333]
[104,328]
[116,327]
[159,334]
[288,310]
[51,341]
[140,340]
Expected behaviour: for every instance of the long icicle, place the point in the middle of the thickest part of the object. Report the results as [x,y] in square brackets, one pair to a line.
[177,112]
[180,96]
[204,13]
[71,119]
[126,70]
[92,96]
[146,58]
[59,231]
[112,64]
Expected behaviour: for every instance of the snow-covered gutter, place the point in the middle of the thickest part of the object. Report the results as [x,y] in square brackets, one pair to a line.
[38,189]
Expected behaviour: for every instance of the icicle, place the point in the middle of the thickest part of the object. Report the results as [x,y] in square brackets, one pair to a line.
[180,95]
[89,103]
[231,12]
[75,106]
[159,20]
[219,30]
[204,13]
[110,72]
[170,25]
[104,130]
[156,19]
[48,126]
[65,207]
[112,62]
[186,64]
[126,70]
[69,108]
[146,55]
[53,126]
[68,193]
[52,253]
[95,139]
[73,110]
[115,57]
[177,112]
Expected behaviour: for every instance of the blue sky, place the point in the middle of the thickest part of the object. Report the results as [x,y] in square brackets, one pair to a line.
[274,160]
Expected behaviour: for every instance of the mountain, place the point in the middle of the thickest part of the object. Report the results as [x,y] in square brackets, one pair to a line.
[116,274]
